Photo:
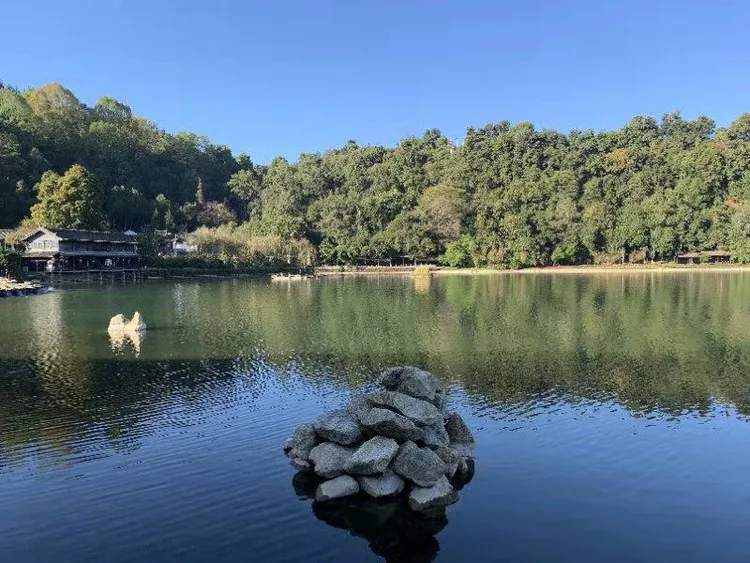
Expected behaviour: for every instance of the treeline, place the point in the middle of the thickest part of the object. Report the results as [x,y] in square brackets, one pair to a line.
[509,195]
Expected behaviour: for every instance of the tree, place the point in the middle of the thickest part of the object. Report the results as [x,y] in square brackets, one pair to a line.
[71,201]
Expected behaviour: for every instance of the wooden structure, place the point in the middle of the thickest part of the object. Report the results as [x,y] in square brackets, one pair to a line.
[704,256]
[61,250]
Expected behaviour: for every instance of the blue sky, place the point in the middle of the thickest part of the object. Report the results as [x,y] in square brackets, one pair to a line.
[280,78]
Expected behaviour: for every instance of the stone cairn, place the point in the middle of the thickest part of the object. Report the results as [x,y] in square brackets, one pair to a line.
[401,439]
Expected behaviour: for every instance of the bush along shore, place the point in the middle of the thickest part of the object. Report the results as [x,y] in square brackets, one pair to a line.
[400,440]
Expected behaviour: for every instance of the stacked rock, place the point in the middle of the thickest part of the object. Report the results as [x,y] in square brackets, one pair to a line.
[399,439]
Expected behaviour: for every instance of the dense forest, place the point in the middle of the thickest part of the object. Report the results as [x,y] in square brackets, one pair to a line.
[508,195]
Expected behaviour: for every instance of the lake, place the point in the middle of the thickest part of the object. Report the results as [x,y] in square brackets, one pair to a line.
[610,413]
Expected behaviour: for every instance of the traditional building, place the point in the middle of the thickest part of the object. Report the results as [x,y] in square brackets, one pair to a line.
[54,250]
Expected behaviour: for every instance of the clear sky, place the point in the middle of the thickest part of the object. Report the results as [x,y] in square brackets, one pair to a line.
[284,77]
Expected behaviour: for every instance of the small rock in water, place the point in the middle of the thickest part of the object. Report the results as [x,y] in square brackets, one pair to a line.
[421,466]
[418,411]
[300,464]
[339,487]
[391,424]
[391,377]
[329,459]
[457,429]
[464,473]
[451,459]
[435,435]
[338,426]
[302,441]
[441,403]
[439,494]
[372,457]
[358,408]
[386,485]
[418,383]
[463,449]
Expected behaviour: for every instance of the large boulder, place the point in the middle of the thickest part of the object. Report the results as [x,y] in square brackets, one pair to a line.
[440,493]
[339,487]
[418,411]
[421,466]
[372,457]
[329,459]
[338,426]
[386,485]
[457,429]
[388,423]
[302,441]
[435,435]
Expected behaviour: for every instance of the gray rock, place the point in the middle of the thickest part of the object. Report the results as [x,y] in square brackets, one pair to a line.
[439,494]
[302,441]
[372,457]
[450,458]
[418,383]
[300,464]
[463,449]
[385,485]
[435,435]
[421,466]
[391,377]
[420,412]
[457,429]
[339,487]
[441,403]
[358,408]
[338,426]
[464,473]
[391,424]
[329,459]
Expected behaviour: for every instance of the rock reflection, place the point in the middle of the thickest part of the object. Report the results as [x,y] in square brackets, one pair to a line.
[394,531]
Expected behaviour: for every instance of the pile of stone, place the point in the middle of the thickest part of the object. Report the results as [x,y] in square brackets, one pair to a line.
[401,439]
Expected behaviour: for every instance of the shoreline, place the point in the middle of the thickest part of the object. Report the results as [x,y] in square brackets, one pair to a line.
[553,270]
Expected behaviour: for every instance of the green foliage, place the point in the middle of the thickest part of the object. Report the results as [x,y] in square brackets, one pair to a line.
[10,262]
[239,247]
[70,201]
[508,196]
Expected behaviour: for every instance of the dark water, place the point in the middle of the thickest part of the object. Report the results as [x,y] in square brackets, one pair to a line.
[610,414]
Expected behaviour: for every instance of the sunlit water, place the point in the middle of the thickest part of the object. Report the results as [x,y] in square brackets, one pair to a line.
[610,414]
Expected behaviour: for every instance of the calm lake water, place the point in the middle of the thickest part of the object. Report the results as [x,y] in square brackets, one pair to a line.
[610,412]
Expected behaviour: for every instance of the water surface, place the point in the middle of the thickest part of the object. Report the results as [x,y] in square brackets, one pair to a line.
[610,413]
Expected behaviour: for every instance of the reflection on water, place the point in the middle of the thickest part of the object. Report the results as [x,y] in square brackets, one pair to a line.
[594,397]
[392,530]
